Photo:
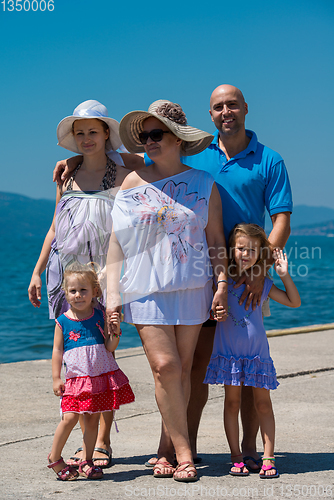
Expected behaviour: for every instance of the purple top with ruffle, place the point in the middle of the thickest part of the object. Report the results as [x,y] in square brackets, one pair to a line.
[241,349]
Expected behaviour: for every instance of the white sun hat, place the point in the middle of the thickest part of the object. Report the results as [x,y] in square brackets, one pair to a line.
[87,110]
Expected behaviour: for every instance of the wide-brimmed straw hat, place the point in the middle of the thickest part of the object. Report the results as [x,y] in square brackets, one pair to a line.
[194,140]
[87,110]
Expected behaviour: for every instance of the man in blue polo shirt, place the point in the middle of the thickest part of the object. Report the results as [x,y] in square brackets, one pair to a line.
[251,178]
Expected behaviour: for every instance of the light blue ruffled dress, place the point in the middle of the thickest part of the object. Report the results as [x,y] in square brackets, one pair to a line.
[241,350]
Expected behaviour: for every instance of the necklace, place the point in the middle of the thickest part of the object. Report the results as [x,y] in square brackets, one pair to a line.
[108,180]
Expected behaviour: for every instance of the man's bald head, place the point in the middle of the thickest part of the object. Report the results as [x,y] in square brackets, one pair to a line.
[228,111]
[225,89]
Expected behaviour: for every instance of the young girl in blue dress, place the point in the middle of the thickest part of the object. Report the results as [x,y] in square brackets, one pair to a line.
[241,351]
[94,382]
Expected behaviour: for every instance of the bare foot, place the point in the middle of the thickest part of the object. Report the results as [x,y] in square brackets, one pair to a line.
[151,462]
[102,458]
[253,463]
[185,472]
[268,468]
[75,460]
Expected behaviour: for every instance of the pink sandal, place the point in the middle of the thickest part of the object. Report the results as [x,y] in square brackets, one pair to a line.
[190,470]
[159,466]
[93,472]
[240,472]
[68,473]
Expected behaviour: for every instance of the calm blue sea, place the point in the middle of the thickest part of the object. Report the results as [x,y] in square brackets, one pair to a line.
[27,333]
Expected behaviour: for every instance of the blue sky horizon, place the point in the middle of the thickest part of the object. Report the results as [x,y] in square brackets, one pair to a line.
[127,56]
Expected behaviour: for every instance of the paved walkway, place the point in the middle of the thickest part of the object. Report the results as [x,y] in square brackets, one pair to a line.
[303,404]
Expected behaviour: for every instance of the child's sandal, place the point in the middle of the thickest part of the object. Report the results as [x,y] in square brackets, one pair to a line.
[238,465]
[265,468]
[93,472]
[68,473]
[240,472]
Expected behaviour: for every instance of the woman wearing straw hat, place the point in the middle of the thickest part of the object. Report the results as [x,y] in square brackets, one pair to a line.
[81,226]
[167,225]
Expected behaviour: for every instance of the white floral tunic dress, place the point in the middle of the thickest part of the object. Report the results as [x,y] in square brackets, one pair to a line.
[161,229]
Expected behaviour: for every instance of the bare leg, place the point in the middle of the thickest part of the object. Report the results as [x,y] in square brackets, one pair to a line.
[77,457]
[90,434]
[267,425]
[170,350]
[199,391]
[62,433]
[250,426]
[231,414]
[86,467]
[103,439]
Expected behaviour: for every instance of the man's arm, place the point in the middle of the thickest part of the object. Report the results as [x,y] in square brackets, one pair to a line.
[64,168]
[254,284]
[281,229]
[133,161]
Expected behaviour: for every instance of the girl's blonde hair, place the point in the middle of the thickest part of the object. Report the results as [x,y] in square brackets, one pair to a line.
[86,271]
[252,231]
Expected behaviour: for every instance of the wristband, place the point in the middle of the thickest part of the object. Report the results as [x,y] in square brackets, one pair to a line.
[222,281]
[117,335]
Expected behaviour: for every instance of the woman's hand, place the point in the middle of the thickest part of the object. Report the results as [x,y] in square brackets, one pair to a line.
[114,306]
[221,314]
[34,290]
[219,304]
[113,323]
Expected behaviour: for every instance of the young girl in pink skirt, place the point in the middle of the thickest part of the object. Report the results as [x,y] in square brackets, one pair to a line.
[94,382]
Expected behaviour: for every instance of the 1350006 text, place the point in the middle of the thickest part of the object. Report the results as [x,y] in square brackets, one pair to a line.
[28,5]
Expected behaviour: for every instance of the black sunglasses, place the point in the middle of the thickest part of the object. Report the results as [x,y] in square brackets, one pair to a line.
[155,135]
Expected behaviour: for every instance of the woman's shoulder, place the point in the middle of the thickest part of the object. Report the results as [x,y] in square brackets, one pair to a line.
[133,179]
[121,174]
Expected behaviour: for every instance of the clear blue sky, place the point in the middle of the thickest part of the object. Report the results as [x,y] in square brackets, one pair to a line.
[128,54]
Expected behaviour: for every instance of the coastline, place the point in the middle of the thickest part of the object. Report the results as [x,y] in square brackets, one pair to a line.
[270,333]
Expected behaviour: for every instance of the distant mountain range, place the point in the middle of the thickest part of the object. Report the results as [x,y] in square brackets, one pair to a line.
[24,216]
[28,217]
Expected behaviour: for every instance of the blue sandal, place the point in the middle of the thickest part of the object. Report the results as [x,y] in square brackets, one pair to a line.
[241,472]
[265,468]
[256,461]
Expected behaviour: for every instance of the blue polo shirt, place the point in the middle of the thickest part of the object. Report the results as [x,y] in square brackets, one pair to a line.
[254,180]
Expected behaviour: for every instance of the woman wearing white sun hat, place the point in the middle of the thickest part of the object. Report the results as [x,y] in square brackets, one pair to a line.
[167,226]
[81,226]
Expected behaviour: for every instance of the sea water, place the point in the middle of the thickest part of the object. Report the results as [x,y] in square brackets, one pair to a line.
[26,333]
